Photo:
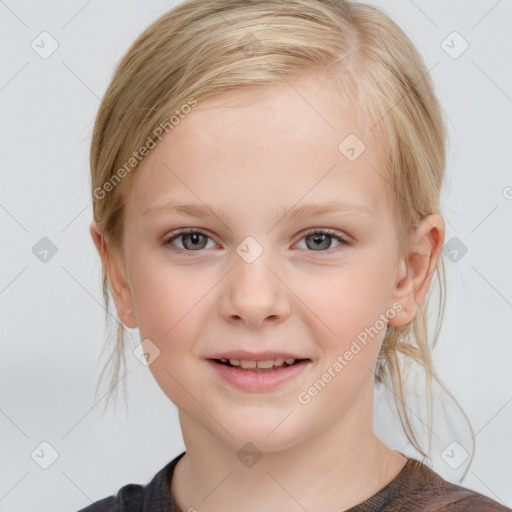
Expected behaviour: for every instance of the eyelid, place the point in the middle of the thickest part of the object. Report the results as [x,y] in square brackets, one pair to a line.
[344,241]
[183,231]
[170,237]
[327,231]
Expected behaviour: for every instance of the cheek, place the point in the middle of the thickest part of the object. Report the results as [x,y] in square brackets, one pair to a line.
[163,293]
[169,302]
[347,299]
[349,325]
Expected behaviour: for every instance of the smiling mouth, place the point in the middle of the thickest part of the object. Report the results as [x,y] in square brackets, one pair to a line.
[259,366]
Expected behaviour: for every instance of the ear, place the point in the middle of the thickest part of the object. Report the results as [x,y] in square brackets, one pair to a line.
[116,274]
[416,268]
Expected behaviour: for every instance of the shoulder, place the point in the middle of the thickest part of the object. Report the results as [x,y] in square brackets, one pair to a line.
[429,492]
[140,498]
[475,502]
[128,499]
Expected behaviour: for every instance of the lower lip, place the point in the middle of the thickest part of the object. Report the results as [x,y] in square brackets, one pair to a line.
[258,381]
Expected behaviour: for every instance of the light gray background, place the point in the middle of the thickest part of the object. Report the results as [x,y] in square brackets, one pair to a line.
[52,315]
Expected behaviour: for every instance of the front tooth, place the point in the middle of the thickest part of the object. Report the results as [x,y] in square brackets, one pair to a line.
[289,360]
[247,364]
[234,362]
[266,364]
[279,362]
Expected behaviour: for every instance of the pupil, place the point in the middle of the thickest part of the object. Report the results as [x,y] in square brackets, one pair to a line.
[194,237]
[319,240]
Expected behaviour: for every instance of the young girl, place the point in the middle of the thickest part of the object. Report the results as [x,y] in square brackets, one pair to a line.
[266,179]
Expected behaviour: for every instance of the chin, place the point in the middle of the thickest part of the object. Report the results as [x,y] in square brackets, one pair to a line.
[263,436]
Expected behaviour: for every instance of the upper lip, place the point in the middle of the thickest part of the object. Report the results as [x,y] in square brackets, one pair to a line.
[255,356]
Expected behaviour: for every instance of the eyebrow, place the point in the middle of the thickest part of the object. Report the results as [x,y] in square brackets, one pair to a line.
[307,210]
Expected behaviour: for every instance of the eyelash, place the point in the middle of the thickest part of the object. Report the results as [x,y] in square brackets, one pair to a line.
[187,231]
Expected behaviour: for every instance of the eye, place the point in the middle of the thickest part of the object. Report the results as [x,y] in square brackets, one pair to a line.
[192,240]
[317,240]
[320,240]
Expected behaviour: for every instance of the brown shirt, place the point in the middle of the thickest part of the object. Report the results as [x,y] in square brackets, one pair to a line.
[415,489]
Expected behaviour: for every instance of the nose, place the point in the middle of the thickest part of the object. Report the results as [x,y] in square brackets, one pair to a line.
[254,294]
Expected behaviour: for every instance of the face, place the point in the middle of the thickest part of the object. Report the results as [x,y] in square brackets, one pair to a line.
[296,255]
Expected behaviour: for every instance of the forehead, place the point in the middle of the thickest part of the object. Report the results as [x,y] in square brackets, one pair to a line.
[294,140]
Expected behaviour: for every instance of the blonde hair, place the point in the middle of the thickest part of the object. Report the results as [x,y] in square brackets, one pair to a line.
[201,49]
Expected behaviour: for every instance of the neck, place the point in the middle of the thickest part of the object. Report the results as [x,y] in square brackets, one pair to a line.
[341,466]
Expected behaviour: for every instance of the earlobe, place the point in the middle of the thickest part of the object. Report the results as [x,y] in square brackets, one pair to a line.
[116,275]
[416,268]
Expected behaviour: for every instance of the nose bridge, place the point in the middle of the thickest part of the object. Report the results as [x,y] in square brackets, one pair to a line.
[253,292]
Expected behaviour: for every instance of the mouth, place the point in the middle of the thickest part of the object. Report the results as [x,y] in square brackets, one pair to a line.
[259,375]
[270,365]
